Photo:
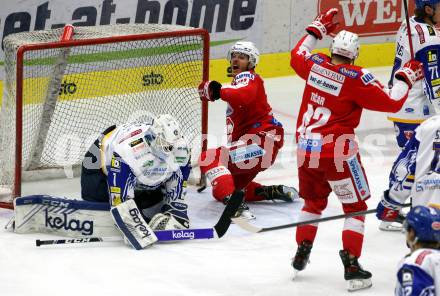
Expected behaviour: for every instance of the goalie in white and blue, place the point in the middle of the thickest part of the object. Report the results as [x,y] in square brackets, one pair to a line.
[419,272]
[142,170]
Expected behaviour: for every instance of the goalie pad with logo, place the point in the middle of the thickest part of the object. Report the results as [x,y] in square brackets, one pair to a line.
[62,216]
[132,225]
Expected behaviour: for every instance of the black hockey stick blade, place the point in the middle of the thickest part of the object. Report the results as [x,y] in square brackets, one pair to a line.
[244,223]
[202,186]
[231,208]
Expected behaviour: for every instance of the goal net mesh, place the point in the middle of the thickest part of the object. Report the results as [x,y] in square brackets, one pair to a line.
[71,94]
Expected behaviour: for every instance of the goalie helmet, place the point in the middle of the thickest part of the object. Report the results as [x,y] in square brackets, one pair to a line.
[425,221]
[167,132]
[345,44]
[422,3]
[248,48]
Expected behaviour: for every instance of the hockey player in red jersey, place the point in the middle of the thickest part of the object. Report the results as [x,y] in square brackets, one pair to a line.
[336,91]
[254,135]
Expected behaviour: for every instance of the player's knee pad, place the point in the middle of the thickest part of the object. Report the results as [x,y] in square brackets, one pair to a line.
[315,206]
[355,207]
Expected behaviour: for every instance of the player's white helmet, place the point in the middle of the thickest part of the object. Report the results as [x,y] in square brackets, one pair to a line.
[248,48]
[167,132]
[345,44]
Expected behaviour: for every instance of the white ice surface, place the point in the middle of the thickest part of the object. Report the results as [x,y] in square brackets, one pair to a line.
[238,264]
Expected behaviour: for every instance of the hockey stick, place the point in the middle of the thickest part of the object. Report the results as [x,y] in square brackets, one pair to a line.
[243,223]
[408,28]
[162,235]
[202,183]
[219,229]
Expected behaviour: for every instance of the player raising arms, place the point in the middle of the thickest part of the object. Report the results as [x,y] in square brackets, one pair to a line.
[254,135]
[134,167]
[336,91]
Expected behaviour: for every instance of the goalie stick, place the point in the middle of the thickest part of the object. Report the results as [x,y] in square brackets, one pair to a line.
[244,224]
[162,235]
[218,230]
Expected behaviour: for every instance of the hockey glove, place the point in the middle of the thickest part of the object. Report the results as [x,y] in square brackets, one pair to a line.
[323,24]
[388,209]
[209,90]
[410,73]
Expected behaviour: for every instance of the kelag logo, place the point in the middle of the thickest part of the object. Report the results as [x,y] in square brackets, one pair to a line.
[63,221]
[368,17]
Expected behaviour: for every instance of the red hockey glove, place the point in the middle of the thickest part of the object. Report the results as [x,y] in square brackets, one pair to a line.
[323,24]
[209,90]
[388,209]
[410,73]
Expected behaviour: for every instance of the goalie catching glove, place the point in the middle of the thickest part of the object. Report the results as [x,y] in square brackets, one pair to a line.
[410,73]
[323,24]
[209,90]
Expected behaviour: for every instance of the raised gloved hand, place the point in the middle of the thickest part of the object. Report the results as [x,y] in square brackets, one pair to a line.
[410,73]
[323,24]
[388,209]
[209,90]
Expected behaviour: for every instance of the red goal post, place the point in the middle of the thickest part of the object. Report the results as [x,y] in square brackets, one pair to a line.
[60,93]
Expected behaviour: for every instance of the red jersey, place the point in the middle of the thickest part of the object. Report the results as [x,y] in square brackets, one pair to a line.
[332,103]
[248,111]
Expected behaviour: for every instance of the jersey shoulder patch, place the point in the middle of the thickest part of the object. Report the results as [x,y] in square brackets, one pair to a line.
[367,77]
[317,59]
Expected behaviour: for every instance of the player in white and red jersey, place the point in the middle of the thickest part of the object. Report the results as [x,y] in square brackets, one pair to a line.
[336,91]
[254,135]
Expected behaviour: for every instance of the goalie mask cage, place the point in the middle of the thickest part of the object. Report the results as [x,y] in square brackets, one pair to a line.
[63,87]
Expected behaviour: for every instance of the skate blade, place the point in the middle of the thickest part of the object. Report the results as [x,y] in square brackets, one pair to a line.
[390,226]
[358,284]
[295,273]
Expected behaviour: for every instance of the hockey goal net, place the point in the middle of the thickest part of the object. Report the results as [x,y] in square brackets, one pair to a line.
[63,87]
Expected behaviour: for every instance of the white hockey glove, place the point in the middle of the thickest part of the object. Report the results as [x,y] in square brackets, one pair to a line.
[410,73]
[323,24]
[166,222]
[130,222]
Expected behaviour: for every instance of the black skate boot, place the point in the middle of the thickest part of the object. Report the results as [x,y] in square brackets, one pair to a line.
[243,211]
[278,192]
[301,258]
[356,277]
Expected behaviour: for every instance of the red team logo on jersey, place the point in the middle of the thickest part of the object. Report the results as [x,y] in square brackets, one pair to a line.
[367,17]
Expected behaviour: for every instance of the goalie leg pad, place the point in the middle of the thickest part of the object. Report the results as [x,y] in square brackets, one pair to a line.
[130,222]
[62,216]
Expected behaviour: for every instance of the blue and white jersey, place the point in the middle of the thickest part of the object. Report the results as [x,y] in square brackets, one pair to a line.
[419,274]
[416,172]
[426,45]
[130,162]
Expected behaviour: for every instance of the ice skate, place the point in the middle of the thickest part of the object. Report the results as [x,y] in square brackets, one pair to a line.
[356,277]
[393,225]
[243,211]
[278,192]
[301,258]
